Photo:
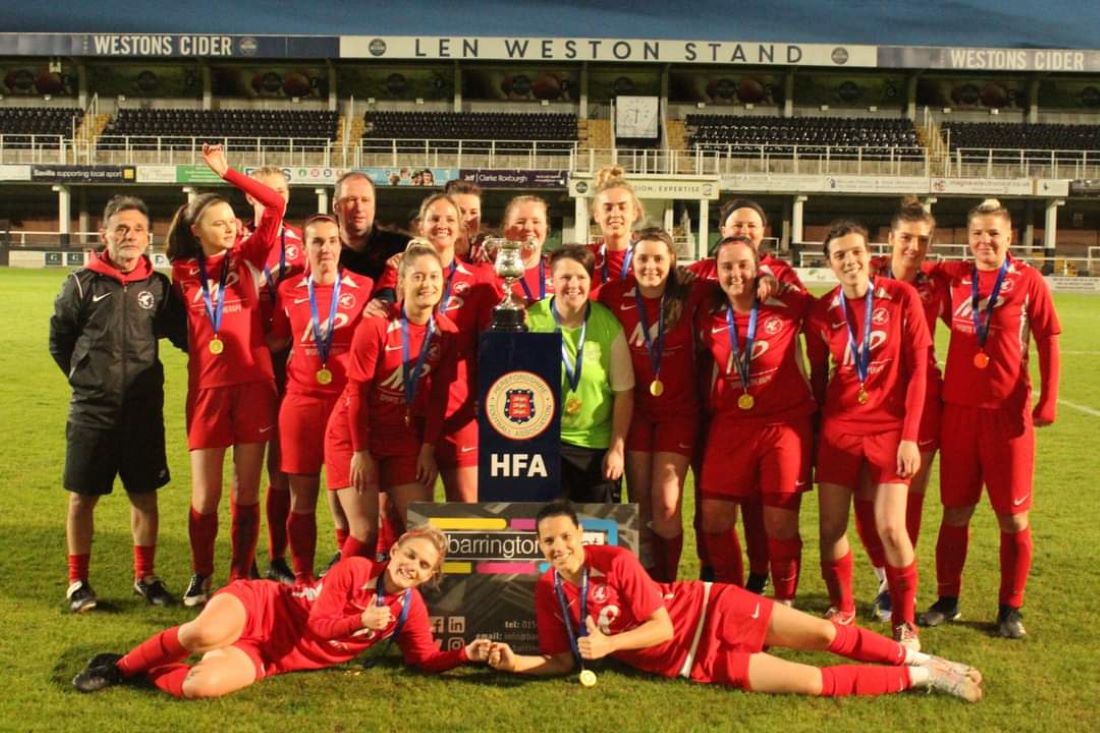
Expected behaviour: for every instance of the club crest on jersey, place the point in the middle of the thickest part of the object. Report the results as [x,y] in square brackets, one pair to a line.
[433,351]
[880,317]
[461,287]
[291,252]
[599,593]
[772,326]
[146,300]
[347,300]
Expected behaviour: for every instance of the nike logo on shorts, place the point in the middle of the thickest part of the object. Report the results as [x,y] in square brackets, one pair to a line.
[97,298]
[467,448]
[267,429]
[756,612]
[1021,500]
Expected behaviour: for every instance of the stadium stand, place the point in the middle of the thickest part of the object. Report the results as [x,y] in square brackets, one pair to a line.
[1036,141]
[143,127]
[519,132]
[19,124]
[783,134]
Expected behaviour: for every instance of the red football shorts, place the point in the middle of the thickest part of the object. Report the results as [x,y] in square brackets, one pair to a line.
[457,446]
[395,461]
[841,457]
[302,422]
[747,458]
[218,417]
[673,434]
[994,447]
[928,435]
[736,627]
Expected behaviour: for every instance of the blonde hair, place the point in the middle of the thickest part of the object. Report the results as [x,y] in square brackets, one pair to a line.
[912,210]
[417,248]
[518,201]
[427,203]
[611,177]
[989,207]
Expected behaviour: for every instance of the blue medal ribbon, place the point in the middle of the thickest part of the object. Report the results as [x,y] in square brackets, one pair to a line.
[981,325]
[542,284]
[861,352]
[323,339]
[572,371]
[411,375]
[655,348]
[213,310]
[742,358]
[581,630]
[449,287]
[623,273]
[379,600]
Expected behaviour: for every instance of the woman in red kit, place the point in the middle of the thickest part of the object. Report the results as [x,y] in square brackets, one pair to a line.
[526,219]
[998,304]
[382,434]
[760,404]
[317,315]
[873,328]
[467,196]
[656,311]
[615,209]
[255,629]
[231,388]
[911,231]
[470,291]
[746,218]
[597,601]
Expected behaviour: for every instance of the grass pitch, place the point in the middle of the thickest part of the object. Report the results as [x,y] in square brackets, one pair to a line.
[1049,681]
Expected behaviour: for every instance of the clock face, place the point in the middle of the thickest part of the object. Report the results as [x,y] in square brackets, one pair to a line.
[637,117]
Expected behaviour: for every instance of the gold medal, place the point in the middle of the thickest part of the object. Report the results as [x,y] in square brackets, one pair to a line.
[588,678]
[324,376]
[981,360]
[656,388]
[862,396]
[746,401]
[216,346]
[573,406]
[408,419]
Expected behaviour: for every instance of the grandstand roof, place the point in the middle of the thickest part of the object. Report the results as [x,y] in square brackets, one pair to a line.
[989,23]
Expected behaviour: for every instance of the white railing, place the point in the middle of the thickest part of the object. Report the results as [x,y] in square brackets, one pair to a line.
[1024,163]
[173,150]
[455,153]
[41,149]
[31,239]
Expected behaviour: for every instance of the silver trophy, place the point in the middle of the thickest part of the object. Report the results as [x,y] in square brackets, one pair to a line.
[510,314]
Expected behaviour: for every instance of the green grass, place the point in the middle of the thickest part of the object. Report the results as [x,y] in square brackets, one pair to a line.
[1046,682]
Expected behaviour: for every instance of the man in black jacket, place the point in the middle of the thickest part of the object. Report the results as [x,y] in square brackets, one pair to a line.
[366,248]
[103,335]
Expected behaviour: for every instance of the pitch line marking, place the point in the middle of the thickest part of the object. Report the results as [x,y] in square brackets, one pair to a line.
[1080,408]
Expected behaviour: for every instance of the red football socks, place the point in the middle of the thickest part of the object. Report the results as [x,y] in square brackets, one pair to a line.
[355,548]
[144,561]
[169,678]
[302,529]
[203,530]
[245,534]
[903,592]
[863,645]
[666,557]
[838,579]
[157,650]
[341,535]
[277,507]
[845,680]
[786,559]
[914,506]
[951,549]
[78,567]
[1016,552]
[868,532]
[756,538]
[724,552]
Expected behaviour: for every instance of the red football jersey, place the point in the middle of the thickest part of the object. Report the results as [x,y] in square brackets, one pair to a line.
[931,285]
[285,260]
[294,320]
[621,596]
[329,630]
[375,391]
[537,280]
[896,382]
[611,265]
[778,384]
[1024,307]
[677,365]
[470,292]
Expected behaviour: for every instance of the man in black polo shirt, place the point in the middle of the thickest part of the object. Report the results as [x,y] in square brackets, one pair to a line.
[365,247]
